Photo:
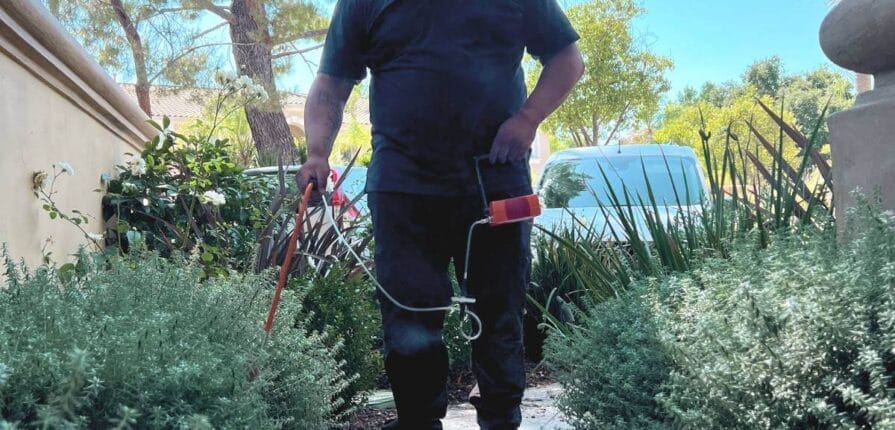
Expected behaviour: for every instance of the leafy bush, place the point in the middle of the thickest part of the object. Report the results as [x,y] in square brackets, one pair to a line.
[612,366]
[346,307]
[185,194]
[458,347]
[798,335]
[146,342]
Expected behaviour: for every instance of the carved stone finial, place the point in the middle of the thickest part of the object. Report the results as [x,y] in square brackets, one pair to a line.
[858,35]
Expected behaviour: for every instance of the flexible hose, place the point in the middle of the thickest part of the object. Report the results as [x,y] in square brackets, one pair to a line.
[455,301]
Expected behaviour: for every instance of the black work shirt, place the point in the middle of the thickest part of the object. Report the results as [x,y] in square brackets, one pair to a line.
[445,75]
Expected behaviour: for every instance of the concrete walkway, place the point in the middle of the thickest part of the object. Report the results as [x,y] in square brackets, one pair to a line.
[538,412]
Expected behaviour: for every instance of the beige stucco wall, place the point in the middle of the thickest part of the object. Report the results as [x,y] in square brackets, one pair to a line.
[55,105]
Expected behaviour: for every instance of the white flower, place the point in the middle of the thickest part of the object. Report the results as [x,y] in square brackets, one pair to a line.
[244,82]
[65,167]
[223,77]
[257,91]
[137,166]
[95,236]
[128,187]
[213,198]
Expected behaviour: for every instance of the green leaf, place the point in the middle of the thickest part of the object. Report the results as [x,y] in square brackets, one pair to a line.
[207,257]
[53,215]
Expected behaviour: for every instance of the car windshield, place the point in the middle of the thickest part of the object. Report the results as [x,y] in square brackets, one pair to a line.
[580,183]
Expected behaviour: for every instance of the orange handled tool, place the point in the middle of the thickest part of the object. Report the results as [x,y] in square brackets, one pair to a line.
[514,209]
[290,252]
[506,211]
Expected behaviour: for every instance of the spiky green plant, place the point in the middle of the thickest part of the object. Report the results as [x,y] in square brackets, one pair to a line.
[743,196]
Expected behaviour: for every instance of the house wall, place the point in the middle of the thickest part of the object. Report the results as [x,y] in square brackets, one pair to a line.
[56,104]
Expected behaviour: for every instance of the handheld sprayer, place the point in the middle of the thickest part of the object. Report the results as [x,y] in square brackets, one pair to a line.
[498,212]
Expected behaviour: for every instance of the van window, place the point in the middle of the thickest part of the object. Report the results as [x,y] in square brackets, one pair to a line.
[580,183]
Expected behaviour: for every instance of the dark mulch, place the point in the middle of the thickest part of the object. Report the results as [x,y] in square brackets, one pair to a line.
[460,383]
[369,418]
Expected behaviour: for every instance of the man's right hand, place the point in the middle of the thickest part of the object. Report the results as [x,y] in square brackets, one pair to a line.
[317,168]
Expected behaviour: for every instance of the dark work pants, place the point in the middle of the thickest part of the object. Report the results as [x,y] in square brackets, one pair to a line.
[417,236]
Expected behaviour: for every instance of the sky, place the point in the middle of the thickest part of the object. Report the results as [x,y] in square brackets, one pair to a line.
[708,40]
[716,40]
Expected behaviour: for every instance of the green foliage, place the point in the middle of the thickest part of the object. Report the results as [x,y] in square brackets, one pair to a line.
[586,264]
[807,98]
[682,123]
[354,138]
[808,94]
[186,194]
[180,38]
[796,335]
[346,307]
[459,348]
[612,366]
[171,39]
[227,123]
[622,82]
[146,342]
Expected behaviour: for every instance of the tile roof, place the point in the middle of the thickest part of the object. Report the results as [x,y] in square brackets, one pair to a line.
[175,102]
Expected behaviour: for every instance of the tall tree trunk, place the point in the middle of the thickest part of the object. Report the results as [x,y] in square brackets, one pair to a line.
[141,88]
[252,51]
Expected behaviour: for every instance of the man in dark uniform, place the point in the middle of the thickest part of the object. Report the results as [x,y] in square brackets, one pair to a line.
[447,85]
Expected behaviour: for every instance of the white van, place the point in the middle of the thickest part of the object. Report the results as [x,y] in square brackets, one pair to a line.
[577,184]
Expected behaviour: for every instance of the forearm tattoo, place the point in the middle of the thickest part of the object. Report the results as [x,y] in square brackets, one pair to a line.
[327,104]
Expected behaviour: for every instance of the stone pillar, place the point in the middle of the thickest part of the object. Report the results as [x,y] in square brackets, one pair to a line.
[859,35]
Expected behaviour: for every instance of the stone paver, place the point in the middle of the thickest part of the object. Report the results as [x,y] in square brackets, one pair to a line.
[538,412]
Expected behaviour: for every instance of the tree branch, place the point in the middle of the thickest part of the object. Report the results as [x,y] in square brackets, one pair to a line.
[306,35]
[173,60]
[618,123]
[296,51]
[217,10]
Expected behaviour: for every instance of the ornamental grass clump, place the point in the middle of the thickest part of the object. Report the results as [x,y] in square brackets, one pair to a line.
[146,342]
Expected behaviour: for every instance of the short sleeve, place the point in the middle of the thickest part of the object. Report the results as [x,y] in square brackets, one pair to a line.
[344,51]
[548,30]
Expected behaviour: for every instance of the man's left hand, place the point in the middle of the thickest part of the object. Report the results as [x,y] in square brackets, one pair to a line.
[513,139]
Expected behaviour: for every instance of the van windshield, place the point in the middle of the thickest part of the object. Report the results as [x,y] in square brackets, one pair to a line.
[580,183]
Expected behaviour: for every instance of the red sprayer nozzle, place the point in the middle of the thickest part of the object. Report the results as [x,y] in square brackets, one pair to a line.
[515,209]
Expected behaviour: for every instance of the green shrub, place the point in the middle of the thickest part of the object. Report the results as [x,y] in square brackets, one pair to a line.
[145,342]
[185,194]
[458,347]
[800,334]
[612,366]
[345,306]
